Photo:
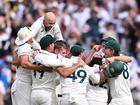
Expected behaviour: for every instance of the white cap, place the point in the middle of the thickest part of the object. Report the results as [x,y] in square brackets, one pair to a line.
[23,35]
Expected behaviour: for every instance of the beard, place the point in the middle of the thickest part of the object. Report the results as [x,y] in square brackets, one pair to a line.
[48,28]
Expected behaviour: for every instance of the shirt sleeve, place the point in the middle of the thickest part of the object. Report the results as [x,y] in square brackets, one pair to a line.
[53,60]
[58,34]
[24,50]
[36,26]
[94,76]
[35,45]
[49,61]
[96,68]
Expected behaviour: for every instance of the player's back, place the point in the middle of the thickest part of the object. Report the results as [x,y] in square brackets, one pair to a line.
[120,89]
[76,82]
[43,80]
[120,85]
[97,92]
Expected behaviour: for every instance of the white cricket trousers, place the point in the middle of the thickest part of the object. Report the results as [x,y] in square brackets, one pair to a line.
[74,99]
[93,102]
[122,101]
[43,97]
[21,93]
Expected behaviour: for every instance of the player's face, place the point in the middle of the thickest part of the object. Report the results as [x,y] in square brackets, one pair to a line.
[30,41]
[48,25]
[52,47]
[68,54]
[108,52]
[63,52]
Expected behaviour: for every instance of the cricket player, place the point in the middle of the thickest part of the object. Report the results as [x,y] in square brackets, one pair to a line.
[119,85]
[46,25]
[74,85]
[61,48]
[21,88]
[43,85]
[97,94]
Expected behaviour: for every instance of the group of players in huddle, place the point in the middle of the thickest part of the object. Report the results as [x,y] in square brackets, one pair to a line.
[44,60]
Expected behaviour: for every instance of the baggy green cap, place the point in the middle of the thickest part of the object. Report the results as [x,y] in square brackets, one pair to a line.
[76,50]
[112,44]
[46,41]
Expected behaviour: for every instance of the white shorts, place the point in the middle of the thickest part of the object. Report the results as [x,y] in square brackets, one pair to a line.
[21,93]
[74,99]
[43,97]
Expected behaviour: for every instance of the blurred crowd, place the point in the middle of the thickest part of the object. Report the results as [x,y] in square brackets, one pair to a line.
[83,22]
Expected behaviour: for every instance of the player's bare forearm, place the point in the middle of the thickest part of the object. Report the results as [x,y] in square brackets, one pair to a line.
[25,63]
[69,70]
[122,58]
[46,69]
[64,72]
[16,63]
[90,56]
